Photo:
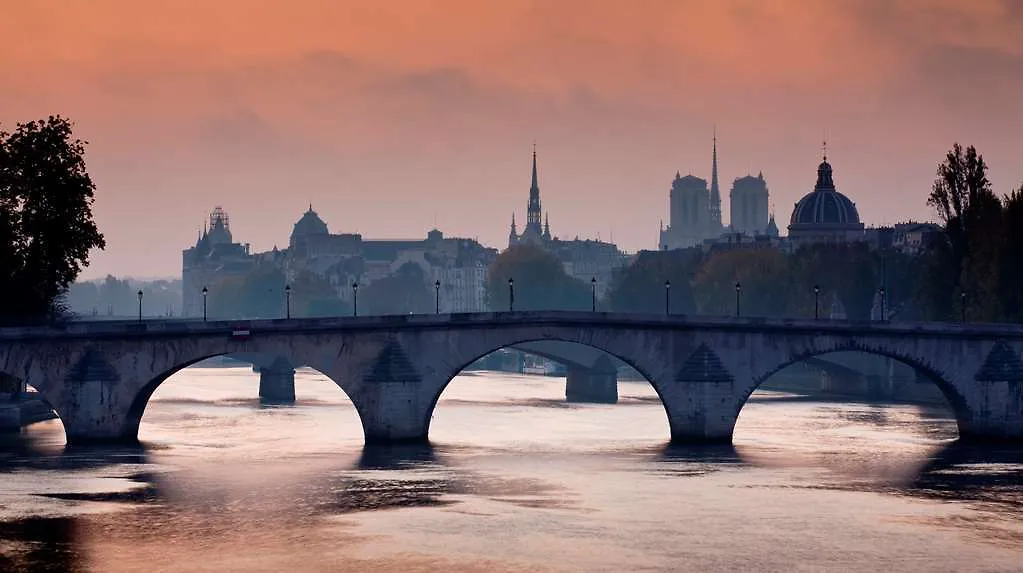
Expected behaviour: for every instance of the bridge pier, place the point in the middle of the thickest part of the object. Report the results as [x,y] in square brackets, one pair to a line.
[696,414]
[393,411]
[996,414]
[277,382]
[598,384]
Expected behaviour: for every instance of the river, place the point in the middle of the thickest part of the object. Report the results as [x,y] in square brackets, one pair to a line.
[515,479]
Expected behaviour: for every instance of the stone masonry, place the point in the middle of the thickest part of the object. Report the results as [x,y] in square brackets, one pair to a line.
[98,376]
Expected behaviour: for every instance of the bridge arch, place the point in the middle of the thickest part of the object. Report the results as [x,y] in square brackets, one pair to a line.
[142,398]
[439,384]
[955,399]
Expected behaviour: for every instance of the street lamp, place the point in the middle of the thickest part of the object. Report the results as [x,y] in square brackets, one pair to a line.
[140,305]
[738,290]
[287,301]
[962,305]
[205,291]
[355,299]
[882,293]
[816,301]
[593,294]
[667,298]
[511,294]
[436,298]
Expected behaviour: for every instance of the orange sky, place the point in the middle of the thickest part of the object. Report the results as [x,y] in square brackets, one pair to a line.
[391,116]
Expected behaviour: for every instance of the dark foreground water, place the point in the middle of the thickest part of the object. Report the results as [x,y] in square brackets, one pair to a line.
[515,480]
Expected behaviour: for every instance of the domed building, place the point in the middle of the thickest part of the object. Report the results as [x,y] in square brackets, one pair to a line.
[309,225]
[824,215]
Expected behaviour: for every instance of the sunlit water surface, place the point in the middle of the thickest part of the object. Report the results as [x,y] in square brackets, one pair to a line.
[515,480]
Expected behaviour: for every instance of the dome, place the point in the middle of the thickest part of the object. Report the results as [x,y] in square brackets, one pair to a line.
[309,224]
[825,205]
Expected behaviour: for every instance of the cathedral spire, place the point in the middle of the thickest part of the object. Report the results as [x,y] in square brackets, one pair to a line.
[534,185]
[715,191]
[533,211]
[547,226]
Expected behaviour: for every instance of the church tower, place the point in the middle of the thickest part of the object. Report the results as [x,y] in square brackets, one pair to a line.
[533,212]
[715,191]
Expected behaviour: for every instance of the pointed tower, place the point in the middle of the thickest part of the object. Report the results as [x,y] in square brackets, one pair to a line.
[533,233]
[533,211]
[547,227]
[715,191]
[513,235]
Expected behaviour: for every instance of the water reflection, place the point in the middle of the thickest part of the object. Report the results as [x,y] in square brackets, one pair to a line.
[964,471]
[232,486]
[396,456]
[40,545]
[31,451]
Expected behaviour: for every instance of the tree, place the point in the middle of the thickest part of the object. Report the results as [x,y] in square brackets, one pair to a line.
[850,271]
[1011,279]
[312,296]
[763,275]
[258,294]
[967,260]
[540,282]
[46,224]
[403,292]
[962,179]
[640,286]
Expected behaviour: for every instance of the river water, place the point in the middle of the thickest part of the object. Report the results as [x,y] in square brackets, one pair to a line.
[515,480]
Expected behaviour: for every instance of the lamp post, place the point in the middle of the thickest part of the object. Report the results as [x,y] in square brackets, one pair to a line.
[511,294]
[962,305]
[738,290]
[205,291]
[593,294]
[355,299]
[882,293]
[667,298]
[436,298]
[816,301]
[140,305]
[287,301]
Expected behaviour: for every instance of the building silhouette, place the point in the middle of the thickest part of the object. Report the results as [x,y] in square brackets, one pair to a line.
[533,234]
[341,259]
[824,215]
[694,209]
[214,257]
[748,202]
[583,259]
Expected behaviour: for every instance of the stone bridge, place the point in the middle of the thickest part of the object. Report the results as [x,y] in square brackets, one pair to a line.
[99,376]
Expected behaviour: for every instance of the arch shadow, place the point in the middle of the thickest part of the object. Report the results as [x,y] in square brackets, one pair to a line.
[964,471]
[955,400]
[527,339]
[143,396]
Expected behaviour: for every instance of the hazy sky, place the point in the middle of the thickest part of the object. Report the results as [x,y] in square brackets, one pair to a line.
[392,116]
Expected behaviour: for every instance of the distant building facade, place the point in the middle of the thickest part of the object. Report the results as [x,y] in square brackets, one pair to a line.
[341,259]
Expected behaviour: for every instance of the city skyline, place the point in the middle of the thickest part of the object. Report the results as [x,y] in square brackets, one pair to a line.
[358,111]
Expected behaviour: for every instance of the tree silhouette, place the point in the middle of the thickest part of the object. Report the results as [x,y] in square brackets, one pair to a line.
[540,282]
[403,292]
[46,224]
[640,287]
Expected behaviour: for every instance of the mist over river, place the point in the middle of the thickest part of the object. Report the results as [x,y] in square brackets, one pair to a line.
[514,479]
